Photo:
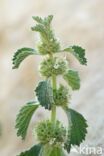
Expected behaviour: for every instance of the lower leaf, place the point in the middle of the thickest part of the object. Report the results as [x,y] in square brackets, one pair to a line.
[77,127]
[24,117]
[34,151]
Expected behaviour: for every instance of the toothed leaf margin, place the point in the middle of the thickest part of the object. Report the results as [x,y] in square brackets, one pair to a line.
[21,54]
[24,117]
[78,52]
[33,151]
[44,94]
[72,78]
[78,126]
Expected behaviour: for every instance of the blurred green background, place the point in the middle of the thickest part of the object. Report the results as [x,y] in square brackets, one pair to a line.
[79,22]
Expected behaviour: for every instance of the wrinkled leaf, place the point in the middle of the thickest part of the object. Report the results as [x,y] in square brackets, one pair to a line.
[24,117]
[38,19]
[72,78]
[44,94]
[46,21]
[34,151]
[21,54]
[40,28]
[78,52]
[78,126]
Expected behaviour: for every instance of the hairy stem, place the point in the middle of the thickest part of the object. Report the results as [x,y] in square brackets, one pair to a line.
[53,113]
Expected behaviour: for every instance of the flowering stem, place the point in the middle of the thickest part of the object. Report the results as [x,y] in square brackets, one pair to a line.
[53,113]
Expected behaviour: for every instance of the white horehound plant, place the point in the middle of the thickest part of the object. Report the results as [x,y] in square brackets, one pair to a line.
[53,137]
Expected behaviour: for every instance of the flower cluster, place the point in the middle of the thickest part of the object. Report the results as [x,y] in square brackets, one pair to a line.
[53,66]
[49,132]
[61,96]
[52,47]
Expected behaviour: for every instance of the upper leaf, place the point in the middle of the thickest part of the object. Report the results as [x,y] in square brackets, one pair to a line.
[78,52]
[51,150]
[78,126]
[34,151]
[72,77]
[24,117]
[41,28]
[44,94]
[21,54]
[38,19]
[46,21]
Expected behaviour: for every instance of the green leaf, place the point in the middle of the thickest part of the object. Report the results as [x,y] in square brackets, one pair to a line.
[72,78]
[78,126]
[51,150]
[78,52]
[48,19]
[38,19]
[21,54]
[34,151]
[44,94]
[40,28]
[24,117]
